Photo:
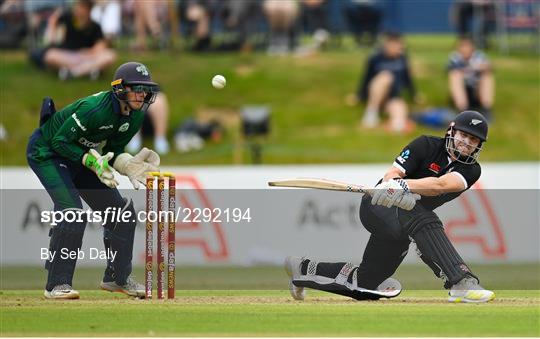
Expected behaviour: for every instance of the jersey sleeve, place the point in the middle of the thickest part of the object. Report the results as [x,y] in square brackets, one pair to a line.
[77,126]
[469,173]
[408,80]
[362,92]
[412,155]
[455,62]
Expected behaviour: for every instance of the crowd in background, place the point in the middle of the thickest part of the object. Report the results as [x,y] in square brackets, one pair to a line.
[275,25]
[79,38]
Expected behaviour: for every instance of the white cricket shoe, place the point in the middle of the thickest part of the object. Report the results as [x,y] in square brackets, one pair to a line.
[161,145]
[131,288]
[370,119]
[64,291]
[135,144]
[469,291]
[292,266]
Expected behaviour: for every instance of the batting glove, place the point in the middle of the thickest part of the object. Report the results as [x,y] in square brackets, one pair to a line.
[136,167]
[99,164]
[394,192]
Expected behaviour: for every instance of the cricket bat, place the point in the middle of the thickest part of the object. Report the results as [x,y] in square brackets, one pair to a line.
[323,184]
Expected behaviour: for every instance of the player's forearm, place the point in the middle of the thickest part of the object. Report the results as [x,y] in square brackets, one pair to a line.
[393,173]
[430,186]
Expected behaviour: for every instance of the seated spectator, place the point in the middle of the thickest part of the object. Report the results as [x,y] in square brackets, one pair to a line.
[12,23]
[77,46]
[475,18]
[155,123]
[38,13]
[198,12]
[470,79]
[282,15]
[148,17]
[314,20]
[387,75]
[241,19]
[108,14]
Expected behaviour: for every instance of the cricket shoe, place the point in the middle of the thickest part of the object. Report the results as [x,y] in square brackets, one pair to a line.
[292,266]
[469,291]
[130,288]
[64,291]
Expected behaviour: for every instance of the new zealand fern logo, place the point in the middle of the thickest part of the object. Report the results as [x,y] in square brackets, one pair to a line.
[142,69]
[403,156]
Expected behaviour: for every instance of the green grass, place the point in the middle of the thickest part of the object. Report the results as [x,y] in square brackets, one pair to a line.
[253,301]
[413,277]
[267,313]
[310,122]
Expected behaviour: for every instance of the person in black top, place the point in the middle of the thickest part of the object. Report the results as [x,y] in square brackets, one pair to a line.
[82,49]
[470,79]
[434,170]
[387,75]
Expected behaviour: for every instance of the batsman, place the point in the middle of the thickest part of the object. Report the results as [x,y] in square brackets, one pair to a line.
[63,153]
[428,173]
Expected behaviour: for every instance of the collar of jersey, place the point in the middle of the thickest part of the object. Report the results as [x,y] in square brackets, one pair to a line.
[116,104]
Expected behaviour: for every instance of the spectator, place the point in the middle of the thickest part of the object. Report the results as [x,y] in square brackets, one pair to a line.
[12,23]
[156,120]
[282,15]
[386,76]
[77,46]
[147,17]
[474,18]
[38,13]
[198,12]
[470,79]
[314,20]
[364,18]
[108,14]
[241,18]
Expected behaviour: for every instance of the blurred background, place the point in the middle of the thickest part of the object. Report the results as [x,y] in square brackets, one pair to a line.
[345,83]
[299,64]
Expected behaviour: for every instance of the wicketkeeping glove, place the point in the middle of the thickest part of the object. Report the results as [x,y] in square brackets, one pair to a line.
[99,164]
[394,192]
[135,167]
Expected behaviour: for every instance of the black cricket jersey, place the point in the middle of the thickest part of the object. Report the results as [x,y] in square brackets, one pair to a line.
[77,38]
[426,156]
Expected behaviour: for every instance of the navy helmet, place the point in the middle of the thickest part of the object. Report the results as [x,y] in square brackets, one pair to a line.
[470,122]
[135,77]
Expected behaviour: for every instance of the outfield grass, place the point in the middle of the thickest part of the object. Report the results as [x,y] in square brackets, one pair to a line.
[310,122]
[267,313]
[253,301]
[412,277]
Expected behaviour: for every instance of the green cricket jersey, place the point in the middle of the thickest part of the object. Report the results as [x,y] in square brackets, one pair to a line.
[85,124]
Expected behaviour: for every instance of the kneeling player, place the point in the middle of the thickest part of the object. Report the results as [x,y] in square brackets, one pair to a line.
[438,169]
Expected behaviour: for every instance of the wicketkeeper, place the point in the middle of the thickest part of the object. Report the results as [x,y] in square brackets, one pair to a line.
[437,170]
[63,154]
